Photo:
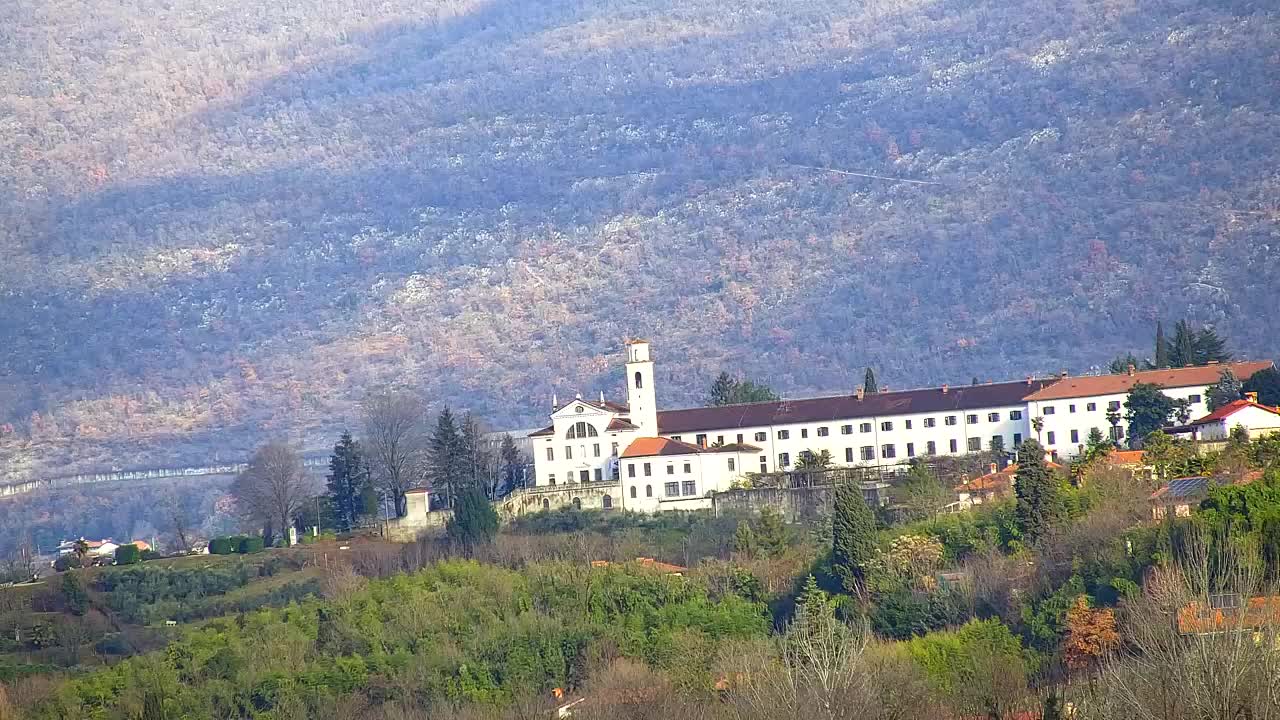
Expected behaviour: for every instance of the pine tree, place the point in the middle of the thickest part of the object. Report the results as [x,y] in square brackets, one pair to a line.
[446,458]
[869,384]
[853,533]
[1038,504]
[347,483]
[474,520]
[1097,445]
[1162,347]
[1226,390]
[744,541]
[1209,348]
[771,532]
[727,390]
[723,390]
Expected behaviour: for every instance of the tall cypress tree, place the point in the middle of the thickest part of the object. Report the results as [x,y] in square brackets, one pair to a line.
[1182,351]
[1039,506]
[853,535]
[472,461]
[512,465]
[348,482]
[474,520]
[1162,347]
[869,383]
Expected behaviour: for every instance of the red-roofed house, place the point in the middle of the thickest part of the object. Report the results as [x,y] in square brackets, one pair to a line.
[994,485]
[1256,419]
[664,474]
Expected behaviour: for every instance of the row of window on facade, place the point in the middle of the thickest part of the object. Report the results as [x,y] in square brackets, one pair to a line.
[1112,406]
[1116,432]
[866,427]
[568,451]
[889,451]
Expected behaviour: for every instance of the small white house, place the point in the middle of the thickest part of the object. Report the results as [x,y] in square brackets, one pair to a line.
[1256,419]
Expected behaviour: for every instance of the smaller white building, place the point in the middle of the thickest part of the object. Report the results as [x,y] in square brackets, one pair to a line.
[1256,419]
[661,474]
[1069,409]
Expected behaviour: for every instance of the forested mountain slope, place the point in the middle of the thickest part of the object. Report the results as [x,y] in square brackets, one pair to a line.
[225,220]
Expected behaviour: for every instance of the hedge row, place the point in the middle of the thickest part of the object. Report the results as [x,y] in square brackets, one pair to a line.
[241,544]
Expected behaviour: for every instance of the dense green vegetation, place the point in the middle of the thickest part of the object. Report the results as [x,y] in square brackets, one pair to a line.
[266,210]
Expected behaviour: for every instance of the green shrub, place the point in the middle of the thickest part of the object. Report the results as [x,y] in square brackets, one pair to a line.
[221,546]
[249,545]
[128,555]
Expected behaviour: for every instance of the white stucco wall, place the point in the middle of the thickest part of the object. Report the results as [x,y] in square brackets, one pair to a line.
[846,449]
[1255,421]
[1074,414]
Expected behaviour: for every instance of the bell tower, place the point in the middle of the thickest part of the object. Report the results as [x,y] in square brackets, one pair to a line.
[640,391]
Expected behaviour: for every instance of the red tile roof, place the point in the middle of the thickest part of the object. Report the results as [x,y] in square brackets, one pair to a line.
[1089,385]
[651,446]
[1126,457]
[842,407]
[1232,408]
[996,481]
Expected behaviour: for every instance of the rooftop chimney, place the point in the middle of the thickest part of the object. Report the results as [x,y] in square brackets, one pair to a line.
[1063,374]
[601,397]
[1251,397]
[1029,378]
[993,469]
[555,402]
[1132,369]
[862,392]
[945,388]
[884,389]
[1212,362]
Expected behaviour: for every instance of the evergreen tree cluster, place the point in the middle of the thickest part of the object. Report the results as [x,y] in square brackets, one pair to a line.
[1188,347]
[728,390]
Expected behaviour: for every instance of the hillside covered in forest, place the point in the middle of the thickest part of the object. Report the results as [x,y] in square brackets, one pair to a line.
[225,221]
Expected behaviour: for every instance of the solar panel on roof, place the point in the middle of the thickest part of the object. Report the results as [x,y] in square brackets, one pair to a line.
[1187,487]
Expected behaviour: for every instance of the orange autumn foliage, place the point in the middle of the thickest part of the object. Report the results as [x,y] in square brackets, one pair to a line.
[1091,634]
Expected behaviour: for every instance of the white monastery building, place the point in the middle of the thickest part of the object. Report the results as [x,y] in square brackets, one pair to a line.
[1073,406]
[674,459]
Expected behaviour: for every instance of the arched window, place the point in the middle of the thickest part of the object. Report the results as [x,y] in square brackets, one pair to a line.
[639,380]
[648,491]
[577,503]
[606,502]
[546,504]
[581,430]
[633,492]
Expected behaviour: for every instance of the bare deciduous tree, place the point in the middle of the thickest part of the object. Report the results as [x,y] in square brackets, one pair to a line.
[273,487]
[180,520]
[1201,642]
[395,443]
